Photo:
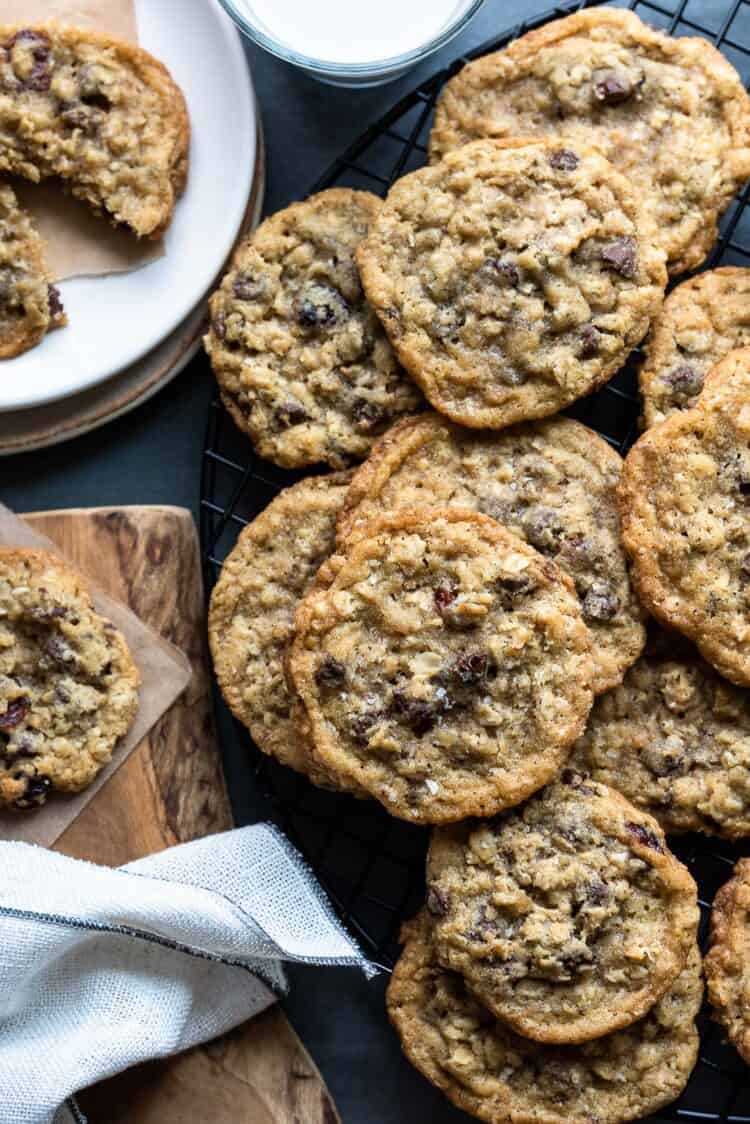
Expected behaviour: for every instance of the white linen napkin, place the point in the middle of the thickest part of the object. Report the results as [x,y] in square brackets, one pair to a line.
[101,969]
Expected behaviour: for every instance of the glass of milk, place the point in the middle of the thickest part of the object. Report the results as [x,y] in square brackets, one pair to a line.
[352,42]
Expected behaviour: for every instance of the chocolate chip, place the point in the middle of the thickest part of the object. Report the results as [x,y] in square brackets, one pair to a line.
[320,307]
[543,529]
[600,602]
[54,301]
[512,590]
[35,794]
[590,341]
[361,725]
[290,413]
[367,415]
[418,715]
[645,836]
[246,287]
[220,326]
[613,87]
[496,269]
[437,901]
[564,160]
[14,714]
[621,256]
[685,381]
[444,596]
[330,674]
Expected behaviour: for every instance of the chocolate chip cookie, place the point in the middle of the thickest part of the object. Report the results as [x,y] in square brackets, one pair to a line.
[252,610]
[446,668]
[728,961]
[303,365]
[30,306]
[68,686]
[492,1073]
[513,277]
[674,738]
[551,482]
[685,510]
[671,114]
[699,322]
[102,115]
[568,918]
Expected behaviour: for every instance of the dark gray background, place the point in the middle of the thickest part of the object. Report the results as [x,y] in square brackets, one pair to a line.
[153,456]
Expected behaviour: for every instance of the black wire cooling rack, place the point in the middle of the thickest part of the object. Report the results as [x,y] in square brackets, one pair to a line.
[371,865]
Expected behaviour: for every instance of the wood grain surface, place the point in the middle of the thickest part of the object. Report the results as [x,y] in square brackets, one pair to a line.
[171,790]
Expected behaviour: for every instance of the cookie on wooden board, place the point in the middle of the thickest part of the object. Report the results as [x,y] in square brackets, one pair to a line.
[302,362]
[68,685]
[670,113]
[492,1073]
[684,502]
[102,115]
[444,667]
[513,277]
[552,482]
[568,918]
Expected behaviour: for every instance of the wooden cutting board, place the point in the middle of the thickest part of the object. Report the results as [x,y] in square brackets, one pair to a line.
[170,790]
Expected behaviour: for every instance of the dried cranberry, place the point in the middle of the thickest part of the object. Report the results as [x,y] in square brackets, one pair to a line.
[248,288]
[361,725]
[471,668]
[444,596]
[685,381]
[290,413]
[78,116]
[577,781]
[590,340]
[54,301]
[564,160]
[621,256]
[37,789]
[14,714]
[220,326]
[513,590]
[39,77]
[320,307]
[600,603]
[437,901]
[613,87]
[645,836]
[330,674]
[418,715]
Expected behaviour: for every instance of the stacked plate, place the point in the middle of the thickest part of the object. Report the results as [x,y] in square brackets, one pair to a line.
[130,333]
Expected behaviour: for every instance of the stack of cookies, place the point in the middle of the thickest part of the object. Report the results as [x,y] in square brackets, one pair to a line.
[492,624]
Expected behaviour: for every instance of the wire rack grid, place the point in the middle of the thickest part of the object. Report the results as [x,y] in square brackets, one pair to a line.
[371,865]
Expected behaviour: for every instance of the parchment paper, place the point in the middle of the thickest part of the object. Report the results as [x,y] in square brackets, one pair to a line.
[165,673]
[79,243]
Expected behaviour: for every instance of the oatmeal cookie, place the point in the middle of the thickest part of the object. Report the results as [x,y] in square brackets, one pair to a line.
[551,482]
[303,364]
[674,738]
[699,322]
[446,668]
[568,918]
[102,115]
[513,277]
[30,305]
[68,686]
[728,960]
[671,114]
[492,1073]
[684,502]
[252,608]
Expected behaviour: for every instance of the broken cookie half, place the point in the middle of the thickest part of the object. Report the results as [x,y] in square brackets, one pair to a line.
[30,305]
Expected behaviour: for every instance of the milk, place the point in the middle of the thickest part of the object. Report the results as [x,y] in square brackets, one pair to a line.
[352,32]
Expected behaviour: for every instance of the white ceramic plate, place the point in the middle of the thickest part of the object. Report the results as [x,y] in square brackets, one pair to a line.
[115,320]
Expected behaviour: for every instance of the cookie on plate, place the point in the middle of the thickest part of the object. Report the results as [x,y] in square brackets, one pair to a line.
[674,738]
[568,918]
[68,685]
[699,322]
[445,669]
[30,305]
[492,1073]
[727,963]
[551,482]
[251,615]
[303,365]
[684,502]
[513,277]
[671,114]
[102,115]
